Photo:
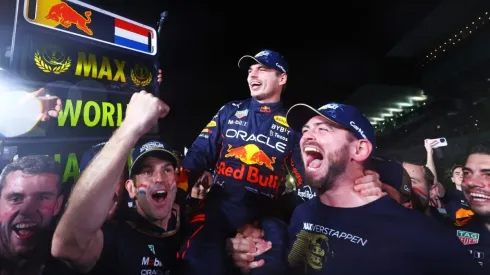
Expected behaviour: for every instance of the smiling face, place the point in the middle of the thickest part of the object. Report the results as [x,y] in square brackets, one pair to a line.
[476,183]
[28,204]
[154,188]
[265,83]
[326,152]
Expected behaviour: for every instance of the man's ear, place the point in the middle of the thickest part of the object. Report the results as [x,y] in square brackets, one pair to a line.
[363,150]
[131,188]
[283,79]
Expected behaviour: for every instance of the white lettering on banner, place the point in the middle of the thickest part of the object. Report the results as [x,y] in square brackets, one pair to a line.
[334,233]
[358,129]
[243,135]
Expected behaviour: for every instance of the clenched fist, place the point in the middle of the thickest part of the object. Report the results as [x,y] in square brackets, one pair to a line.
[143,112]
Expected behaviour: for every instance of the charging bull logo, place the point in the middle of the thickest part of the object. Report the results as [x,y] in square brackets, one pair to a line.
[251,154]
[66,16]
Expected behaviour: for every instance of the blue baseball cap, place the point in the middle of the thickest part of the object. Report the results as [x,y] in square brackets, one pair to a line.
[392,173]
[346,116]
[89,155]
[153,148]
[268,58]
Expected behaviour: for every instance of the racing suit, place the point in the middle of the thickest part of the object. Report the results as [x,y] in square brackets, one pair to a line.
[253,152]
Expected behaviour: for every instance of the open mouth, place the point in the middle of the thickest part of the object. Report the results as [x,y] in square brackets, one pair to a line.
[255,84]
[314,158]
[479,197]
[25,230]
[159,196]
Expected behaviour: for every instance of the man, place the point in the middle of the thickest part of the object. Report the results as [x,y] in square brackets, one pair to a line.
[457,206]
[475,235]
[30,198]
[342,232]
[423,187]
[252,150]
[148,240]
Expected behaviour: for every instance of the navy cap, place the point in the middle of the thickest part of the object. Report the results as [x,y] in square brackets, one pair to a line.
[346,116]
[392,173]
[89,155]
[154,148]
[268,58]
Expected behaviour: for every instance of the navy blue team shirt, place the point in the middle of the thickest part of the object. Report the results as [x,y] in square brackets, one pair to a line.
[381,237]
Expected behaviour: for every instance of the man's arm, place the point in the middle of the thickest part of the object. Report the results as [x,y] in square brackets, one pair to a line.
[432,166]
[204,151]
[78,238]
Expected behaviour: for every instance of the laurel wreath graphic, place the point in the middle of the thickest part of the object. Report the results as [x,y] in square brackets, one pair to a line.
[48,68]
[138,82]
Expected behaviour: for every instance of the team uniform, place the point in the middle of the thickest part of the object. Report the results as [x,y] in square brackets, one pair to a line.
[133,245]
[381,237]
[252,152]
[457,207]
[476,238]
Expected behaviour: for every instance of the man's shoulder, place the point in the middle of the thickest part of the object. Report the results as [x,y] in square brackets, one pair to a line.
[236,104]
[305,208]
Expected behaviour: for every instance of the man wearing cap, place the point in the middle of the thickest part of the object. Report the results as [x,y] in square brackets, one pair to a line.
[252,151]
[148,240]
[341,232]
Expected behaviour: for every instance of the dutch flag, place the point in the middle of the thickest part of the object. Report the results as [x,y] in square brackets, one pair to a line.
[134,36]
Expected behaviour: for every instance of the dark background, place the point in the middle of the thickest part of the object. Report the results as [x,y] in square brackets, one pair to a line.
[332,48]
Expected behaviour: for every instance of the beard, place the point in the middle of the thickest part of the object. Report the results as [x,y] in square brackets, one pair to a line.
[337,162]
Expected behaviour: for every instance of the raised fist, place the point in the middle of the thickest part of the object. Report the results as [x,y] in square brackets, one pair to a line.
[143,112]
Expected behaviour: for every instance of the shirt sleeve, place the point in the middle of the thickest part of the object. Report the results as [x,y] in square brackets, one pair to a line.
[203,153]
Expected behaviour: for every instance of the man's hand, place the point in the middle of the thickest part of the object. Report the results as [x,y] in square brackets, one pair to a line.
[429,143]
[369,185]
[202,186]
[244,249]
[143,113]
[50,105]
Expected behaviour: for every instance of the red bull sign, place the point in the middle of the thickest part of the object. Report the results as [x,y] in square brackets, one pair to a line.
[249,155]
[89,22]
[65,15]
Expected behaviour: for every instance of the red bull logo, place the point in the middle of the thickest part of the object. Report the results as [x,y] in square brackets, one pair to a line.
[67,16]
[265,109]
[249,154]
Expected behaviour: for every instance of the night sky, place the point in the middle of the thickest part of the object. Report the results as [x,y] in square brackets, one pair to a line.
[332,49]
